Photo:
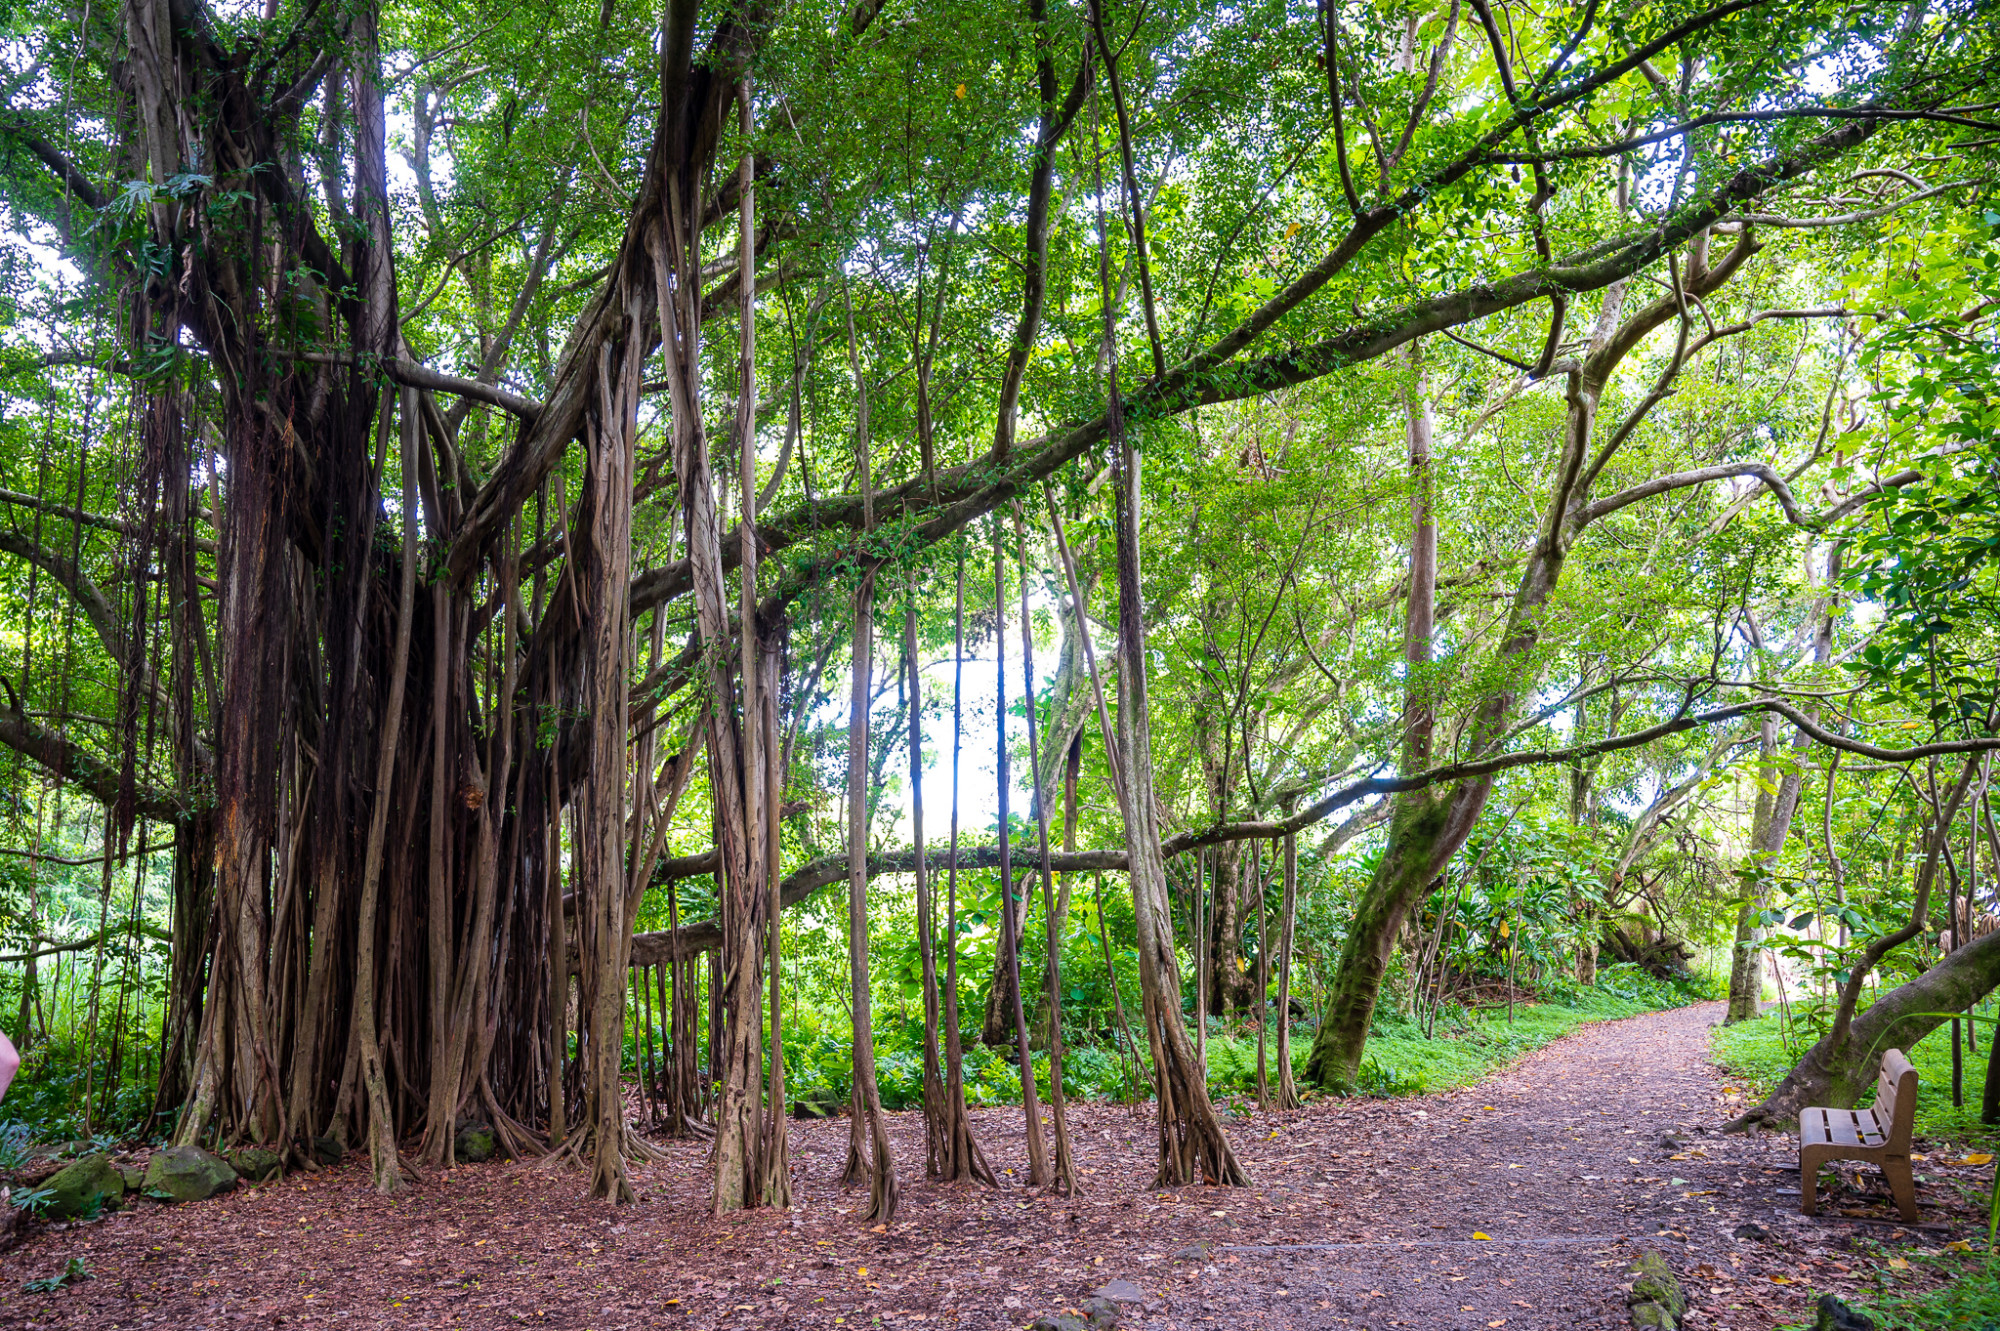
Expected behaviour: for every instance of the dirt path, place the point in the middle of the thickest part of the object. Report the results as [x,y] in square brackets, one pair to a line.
[1363,1214]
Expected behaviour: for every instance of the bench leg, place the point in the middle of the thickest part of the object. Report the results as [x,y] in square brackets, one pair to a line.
[1901,1185]
[1808,1181]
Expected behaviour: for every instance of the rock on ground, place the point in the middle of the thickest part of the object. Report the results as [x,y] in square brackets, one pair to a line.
[85,1187]
[187,1174]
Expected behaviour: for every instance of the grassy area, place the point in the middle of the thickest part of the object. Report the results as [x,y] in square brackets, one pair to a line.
[1757,1052]
[1401,1061]
[1969,1300]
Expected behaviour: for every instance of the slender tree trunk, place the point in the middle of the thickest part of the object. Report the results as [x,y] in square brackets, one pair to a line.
[381,1120]
[1192,1145]
[776,1150]
[1064,1175]
[1288,1090]
[868,1145]
[1263,981]
[936,1115]
[558,972]
[1010,933]
[962,1158]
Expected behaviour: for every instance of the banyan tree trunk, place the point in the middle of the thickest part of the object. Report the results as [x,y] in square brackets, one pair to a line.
[1192,1145]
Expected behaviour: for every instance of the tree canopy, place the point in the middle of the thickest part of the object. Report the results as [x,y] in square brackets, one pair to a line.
[502,500]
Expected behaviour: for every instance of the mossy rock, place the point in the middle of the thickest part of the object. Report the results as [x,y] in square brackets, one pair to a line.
[85,1187]
[475,1144]
[1651,1317]
[186,1174]
[134,1176]
[1656,1301]
[257,1163]
[328,1150]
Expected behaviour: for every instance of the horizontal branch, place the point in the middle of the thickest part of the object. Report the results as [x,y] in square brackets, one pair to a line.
[964,493]
[1759,471]
[1849,219]
[70,762]
[655,949]
[102,521]
[46,858]
[411,374]
[1206,377]
[652,949]
[1619,147]
[1488,766]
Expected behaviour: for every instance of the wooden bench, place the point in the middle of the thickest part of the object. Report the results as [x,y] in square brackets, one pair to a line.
[1880,1134]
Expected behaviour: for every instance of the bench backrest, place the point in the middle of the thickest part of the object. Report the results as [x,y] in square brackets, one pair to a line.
[1896,1100]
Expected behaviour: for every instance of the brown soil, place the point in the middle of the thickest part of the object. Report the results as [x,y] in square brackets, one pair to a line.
[1516,1204]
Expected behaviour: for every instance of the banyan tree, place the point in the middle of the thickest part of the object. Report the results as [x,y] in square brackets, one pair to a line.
[522,412]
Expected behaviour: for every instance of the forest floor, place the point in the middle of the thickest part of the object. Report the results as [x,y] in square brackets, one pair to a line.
[1515,1204]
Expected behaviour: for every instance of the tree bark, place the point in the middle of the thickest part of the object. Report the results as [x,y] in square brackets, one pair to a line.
[1063,1173]
[1010,932]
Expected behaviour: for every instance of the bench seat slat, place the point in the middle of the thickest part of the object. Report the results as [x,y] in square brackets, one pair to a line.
[1841,1127]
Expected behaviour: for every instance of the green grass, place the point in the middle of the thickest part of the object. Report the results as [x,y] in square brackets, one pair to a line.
[1968,1300]
[1401,1061]
[1756,1052]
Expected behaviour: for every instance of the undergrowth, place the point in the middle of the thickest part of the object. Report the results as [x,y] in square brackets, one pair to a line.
[1968,1300]
[1400,1061]
[1465,1047]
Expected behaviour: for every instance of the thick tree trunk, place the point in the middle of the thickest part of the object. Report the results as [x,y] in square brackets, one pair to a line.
[1837,1076]
[605,527]
[1230,985]
[1418,843]
[1777,802]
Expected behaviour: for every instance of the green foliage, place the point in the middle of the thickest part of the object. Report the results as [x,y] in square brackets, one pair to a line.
[1401,1061]
[1965,1292]
[32,1200]
[73,1271]
[1759,1053]
[1929,553]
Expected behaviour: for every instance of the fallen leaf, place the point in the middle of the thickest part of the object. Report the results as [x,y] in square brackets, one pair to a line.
[862,1271]
[1977,1158]
[1898,1264]
[1477,1235]
[879,1229]
[1958,1245]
